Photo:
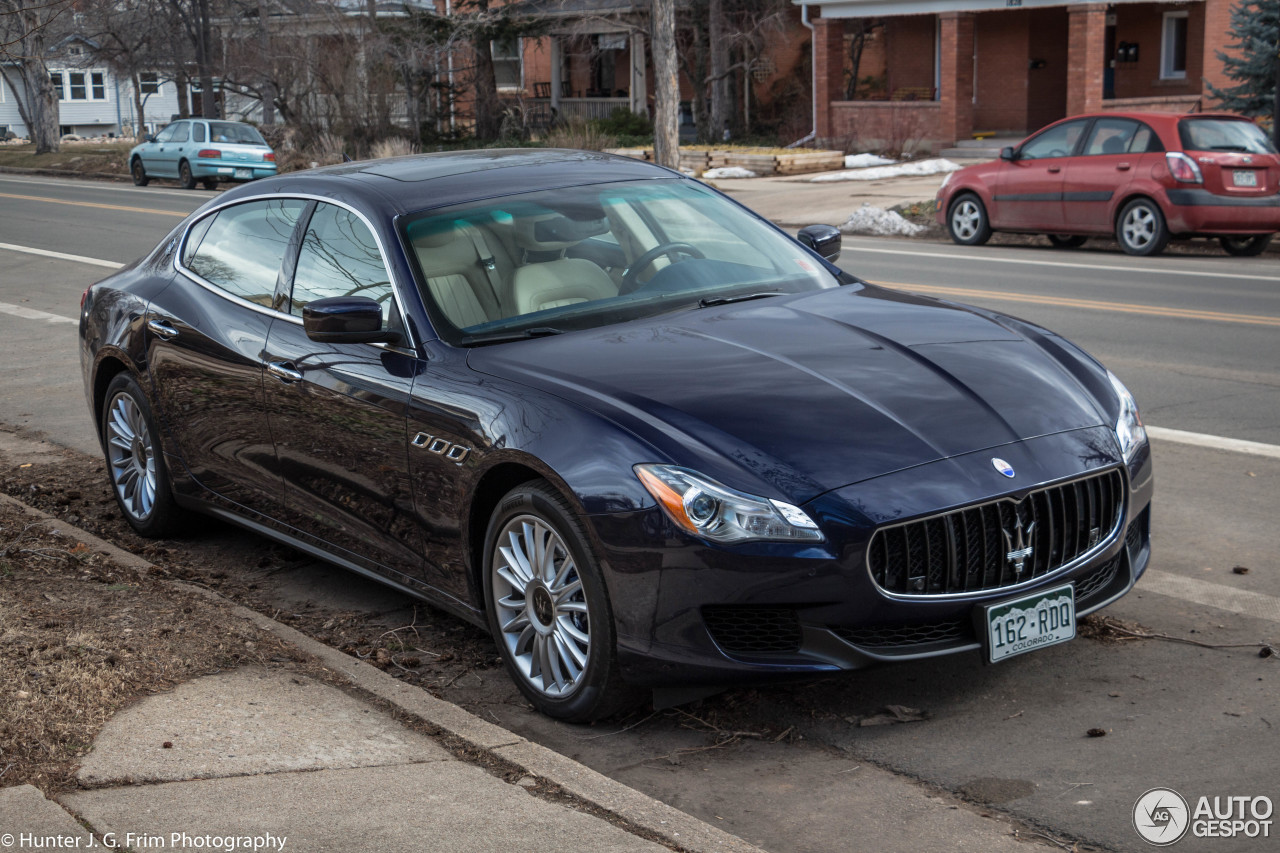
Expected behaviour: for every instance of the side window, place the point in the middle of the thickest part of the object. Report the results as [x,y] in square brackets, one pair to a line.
[1145,140]
[340,257]
[243,246]
[180,132]
[197,132]
[1057,141]
[1111,136]
[166,135]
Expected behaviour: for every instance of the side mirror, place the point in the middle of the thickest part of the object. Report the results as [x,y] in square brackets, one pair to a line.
[1007,153]
[823,239]
[148,138]
[346,320]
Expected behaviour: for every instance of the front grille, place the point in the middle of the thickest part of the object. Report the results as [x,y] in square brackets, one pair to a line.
[1096,581]
[748,630]
[906,636]
[968,550]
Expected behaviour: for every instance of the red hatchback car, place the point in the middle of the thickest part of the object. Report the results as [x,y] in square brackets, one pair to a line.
[1145,178]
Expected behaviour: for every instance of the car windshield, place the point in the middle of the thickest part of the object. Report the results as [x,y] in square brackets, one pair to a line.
[584,257]
[1224,134]
[235,133]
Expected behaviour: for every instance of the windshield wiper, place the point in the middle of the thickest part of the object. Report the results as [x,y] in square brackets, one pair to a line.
[727,300]
[504,337]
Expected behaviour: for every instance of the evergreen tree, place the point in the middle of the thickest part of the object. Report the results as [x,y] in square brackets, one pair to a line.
[1255,26]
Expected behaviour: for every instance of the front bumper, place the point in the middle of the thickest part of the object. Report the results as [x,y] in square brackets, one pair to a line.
[692,615]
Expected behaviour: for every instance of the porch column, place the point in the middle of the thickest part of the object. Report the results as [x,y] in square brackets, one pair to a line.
[1086,57]
[557,74]
[956,75]
[1217,23]
[828,64]
[639,83]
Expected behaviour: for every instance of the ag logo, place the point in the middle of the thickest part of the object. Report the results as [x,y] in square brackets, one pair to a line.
[1161,816]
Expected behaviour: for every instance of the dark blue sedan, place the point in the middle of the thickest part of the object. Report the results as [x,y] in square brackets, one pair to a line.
[646,438]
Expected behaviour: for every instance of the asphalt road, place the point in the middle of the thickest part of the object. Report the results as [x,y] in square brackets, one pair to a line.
[1196,338]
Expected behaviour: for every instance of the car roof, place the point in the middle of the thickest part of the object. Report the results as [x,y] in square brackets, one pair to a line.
[422,181]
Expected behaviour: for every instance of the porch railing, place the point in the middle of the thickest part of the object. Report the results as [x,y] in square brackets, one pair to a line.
[586,108]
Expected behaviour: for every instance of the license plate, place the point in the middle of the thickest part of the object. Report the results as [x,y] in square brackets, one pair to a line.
[244,173]
[1030,622]
[1245,178]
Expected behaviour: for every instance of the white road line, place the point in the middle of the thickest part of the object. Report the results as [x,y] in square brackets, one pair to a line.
[32,314]
[62,256]
[1216,442]
[1255,604]
[107,186]
[917,253]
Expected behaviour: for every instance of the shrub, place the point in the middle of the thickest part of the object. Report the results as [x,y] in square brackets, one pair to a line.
[623,122]
[582,134]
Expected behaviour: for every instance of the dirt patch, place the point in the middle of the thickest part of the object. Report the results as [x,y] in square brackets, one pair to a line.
[1109,629]
[82,636]
[97,157]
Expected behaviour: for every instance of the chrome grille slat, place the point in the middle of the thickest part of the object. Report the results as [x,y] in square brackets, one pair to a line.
[965,550]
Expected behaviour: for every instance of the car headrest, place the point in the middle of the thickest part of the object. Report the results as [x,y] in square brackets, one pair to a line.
[554,232]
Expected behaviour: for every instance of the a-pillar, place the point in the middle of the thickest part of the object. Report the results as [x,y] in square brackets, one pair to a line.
[639,82]
[1217,25]
[1086,57]
[956,75]
[828,68]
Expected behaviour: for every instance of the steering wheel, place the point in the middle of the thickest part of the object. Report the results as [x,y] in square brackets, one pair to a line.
[631,278]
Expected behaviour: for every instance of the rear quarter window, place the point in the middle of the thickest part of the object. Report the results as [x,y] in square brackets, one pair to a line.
[240,249]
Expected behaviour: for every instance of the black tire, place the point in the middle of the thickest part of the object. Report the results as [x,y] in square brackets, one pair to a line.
[538,621]
[1245,247]
[185,177]
[1066,241]
[139,172]
[135,463]
[1141,229]
[209,183]
[967,221]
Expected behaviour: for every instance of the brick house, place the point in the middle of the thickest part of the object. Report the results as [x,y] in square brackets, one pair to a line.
[939,71]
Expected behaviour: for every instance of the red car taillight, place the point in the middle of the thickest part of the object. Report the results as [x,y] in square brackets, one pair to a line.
[270,156]
[1183,168]
[209,154]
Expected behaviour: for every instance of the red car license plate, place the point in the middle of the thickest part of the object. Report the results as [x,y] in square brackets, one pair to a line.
[1245,178]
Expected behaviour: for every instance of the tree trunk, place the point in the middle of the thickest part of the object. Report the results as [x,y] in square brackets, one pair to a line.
[204,60]
[721,102]
[666,85]
[183,82]
[486,106]
[139,106]
[268,83]
[1275,102]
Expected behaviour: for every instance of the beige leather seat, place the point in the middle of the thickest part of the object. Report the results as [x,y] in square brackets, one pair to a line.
[540,285]
[460,282]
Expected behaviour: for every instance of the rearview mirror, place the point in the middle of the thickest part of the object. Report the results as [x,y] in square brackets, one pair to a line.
[823,239]
[346,320]
[1007,153]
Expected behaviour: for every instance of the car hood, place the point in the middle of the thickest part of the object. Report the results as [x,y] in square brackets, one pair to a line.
[815,391]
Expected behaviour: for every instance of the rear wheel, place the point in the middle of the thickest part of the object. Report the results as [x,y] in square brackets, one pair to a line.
[185,177]
[548,608]
[135,462]
[1243,247]
[1066,241]
[1141,229]
[139,172]
[967,221]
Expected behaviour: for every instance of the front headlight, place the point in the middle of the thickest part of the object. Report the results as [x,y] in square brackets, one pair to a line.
[1129,429]
[705,508]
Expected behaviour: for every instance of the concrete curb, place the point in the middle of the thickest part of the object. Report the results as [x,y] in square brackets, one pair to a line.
[636,811]
[64,173]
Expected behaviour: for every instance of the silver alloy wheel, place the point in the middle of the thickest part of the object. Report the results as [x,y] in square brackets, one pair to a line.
[966,219]
[131,454]
[1139,226]
[540,605]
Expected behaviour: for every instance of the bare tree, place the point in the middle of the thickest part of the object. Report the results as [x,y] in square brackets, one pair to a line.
[26,27]
[666,86]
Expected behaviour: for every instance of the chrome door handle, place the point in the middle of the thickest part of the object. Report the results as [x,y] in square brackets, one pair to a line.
[1122,167]
[162,329]
[282,370]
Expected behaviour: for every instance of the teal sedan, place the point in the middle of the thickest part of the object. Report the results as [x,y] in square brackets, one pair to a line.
[203,150]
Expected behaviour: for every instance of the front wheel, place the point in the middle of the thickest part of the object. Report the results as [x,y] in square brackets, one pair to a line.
[1141,228]
[139,173]
[548,608]
[967,221]
[135,462]
[1245,247]
[185,177]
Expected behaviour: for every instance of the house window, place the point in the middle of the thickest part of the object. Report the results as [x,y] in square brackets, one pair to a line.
[1173,47]
[98,85]
[79,85]
[508,63]
[55,78]
[75,86]
[149,83]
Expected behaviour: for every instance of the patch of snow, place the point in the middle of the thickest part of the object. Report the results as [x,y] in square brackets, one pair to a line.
[877,220]
[729,172]
[864,161]
[917,167]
